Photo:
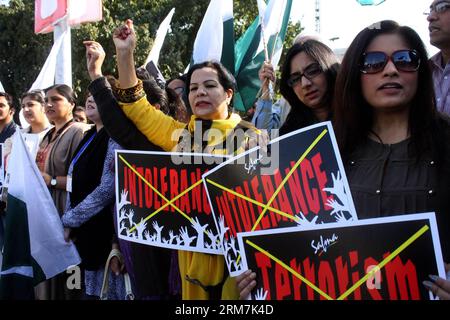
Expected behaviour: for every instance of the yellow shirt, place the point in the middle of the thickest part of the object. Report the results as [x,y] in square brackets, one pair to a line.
[163,131]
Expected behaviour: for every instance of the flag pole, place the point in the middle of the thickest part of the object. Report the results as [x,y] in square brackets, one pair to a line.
[266,51]
[266,59]
[280,20]
[63,74]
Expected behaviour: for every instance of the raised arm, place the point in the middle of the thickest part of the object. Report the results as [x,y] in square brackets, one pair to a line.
[265,117]
[159,128]
[125,41]
[95,56]
[119,127]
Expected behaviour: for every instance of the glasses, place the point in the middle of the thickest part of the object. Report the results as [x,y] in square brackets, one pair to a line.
[312,71]
[438,8]
[179,90]
[404,60]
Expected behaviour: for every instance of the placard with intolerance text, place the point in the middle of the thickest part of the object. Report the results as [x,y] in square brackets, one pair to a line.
[299,181]
[161,201]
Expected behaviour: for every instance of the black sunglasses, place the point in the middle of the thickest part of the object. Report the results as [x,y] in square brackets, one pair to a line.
[404,60]
[312,71]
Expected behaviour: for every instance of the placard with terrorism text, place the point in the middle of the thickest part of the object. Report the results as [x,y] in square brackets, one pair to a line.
[372,259]
[299,181]
[161,200]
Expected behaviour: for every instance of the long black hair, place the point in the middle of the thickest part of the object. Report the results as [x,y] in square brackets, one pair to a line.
[353,116]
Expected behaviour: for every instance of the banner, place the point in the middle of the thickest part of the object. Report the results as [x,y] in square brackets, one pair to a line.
[49,12]
[292,186]
[161,201]
[81,11]
[373,259]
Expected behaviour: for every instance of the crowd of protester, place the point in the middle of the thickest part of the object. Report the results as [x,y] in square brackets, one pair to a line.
[389,104]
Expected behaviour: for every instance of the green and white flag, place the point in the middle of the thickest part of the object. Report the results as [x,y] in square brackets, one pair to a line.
[249,49]
[215,37]
[34,248]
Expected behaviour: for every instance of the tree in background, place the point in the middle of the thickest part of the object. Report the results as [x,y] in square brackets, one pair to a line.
[23,53]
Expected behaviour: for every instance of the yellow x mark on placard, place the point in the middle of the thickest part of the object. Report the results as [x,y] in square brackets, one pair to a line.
[268,205]
[168,203]
[388,259]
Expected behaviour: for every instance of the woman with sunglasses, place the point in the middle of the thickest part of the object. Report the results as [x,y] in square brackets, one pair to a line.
[395,145]
[307,83]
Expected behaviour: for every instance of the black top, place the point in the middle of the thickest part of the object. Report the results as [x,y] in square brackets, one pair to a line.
[93,238]
[121,129]
[8,131]
[151,264]
[385,181]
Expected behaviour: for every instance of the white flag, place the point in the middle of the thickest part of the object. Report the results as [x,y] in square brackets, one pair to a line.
[159,40]
[272,23]
[46,77]
[34,247]
[210,36]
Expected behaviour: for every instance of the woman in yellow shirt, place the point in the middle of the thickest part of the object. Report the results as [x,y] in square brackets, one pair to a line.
[210,90]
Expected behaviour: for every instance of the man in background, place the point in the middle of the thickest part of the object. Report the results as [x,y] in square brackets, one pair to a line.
[439,26]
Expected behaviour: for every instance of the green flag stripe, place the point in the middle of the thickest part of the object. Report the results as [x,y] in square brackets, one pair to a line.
[248,61]
[16,251]
[227,58]
[253,34]
[16,232]
[249,65]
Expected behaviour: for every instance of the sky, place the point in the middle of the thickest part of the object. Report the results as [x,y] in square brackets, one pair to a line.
[343,19]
